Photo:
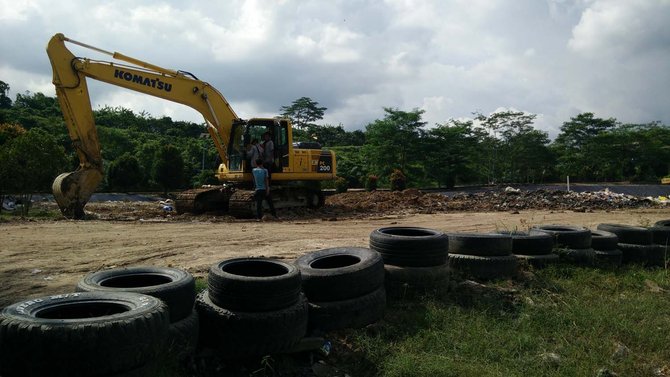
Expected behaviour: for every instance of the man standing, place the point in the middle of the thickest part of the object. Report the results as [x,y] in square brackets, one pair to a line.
[268,153]
[262,186]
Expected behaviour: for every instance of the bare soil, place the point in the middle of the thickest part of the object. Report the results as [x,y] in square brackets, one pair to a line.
[48,257]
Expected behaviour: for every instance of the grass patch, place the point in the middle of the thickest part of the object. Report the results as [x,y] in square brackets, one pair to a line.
[582,315]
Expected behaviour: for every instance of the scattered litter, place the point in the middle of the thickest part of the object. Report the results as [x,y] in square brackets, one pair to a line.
[48,278]
[35,271]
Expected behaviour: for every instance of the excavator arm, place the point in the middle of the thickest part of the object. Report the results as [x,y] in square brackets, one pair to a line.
[73,190]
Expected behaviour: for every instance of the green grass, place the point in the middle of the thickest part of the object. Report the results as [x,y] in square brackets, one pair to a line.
[579,314]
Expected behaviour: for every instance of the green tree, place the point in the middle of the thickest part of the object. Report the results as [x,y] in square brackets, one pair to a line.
[168,168]
[576,146]
[124,173]
[450,146]
[5,101]
[303,112]
[395,143]
[29,163]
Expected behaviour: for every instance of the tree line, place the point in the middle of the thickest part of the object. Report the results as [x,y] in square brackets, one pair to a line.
[145,153]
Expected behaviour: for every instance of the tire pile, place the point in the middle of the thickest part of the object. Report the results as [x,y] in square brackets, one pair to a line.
[415,259]
[123,322]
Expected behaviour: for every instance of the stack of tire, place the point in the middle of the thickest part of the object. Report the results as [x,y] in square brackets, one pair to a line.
[605,246]
[415,259]
[637,245]
[661,235]
[83,334]
[483,256]
[252,307]
[175,287]
[535,249]
[571,243]
[344,287]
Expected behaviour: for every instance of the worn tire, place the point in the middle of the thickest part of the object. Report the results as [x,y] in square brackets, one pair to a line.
[237,334]
[608,258]
[629,234]
[524,243]
[410,246]
[603,240]
[174,286]
[662,223]
[182,339]
[491,267]
[403,282]
[538,261]
[661,235]
[352,313]
[81,334]
[340,273]
[481,244]
[580,257]
[566,236]
[254,284]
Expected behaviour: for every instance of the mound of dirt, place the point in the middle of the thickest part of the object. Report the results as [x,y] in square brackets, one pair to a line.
[415,201]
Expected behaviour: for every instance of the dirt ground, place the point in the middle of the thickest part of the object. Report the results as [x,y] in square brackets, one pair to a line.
[48,257]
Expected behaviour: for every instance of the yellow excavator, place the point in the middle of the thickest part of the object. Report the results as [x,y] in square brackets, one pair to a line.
[297,171]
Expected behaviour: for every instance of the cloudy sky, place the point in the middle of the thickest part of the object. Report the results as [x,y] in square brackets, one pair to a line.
[553,58]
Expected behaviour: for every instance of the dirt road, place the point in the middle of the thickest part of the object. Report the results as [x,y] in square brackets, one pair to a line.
[41,258]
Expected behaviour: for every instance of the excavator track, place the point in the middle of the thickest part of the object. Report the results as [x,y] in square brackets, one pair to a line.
[241,204]
[212,199]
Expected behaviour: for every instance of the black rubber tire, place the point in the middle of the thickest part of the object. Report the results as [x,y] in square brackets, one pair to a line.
[603,240]
[538,261]
[629,234]
[524,243]
[254,284]
[352,313]
[182,340]
[81,334]
[410,246]
[481,244]
[662,223]
[656,256]
[406,282]
[340,273]
[608,258]
[661,235]
[567,236]
[486,268]
[174,286]
[238,334]
[633,254]
[579,257]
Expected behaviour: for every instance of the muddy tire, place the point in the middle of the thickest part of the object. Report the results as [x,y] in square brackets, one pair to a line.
[603,240]
[254,284]
[408,282]
[580,257]
[481,267]
[566,236]
[182,339]
[352,313]
[174,286]
[629,234]
[236,334]
[524,243]
[608,258]
[410,246]
[538,261]
[82,334]
[480,244]
[340,273]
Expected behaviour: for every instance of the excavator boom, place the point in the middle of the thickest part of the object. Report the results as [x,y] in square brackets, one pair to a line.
[73,190]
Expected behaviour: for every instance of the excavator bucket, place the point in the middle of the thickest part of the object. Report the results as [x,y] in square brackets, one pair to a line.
[73,190]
